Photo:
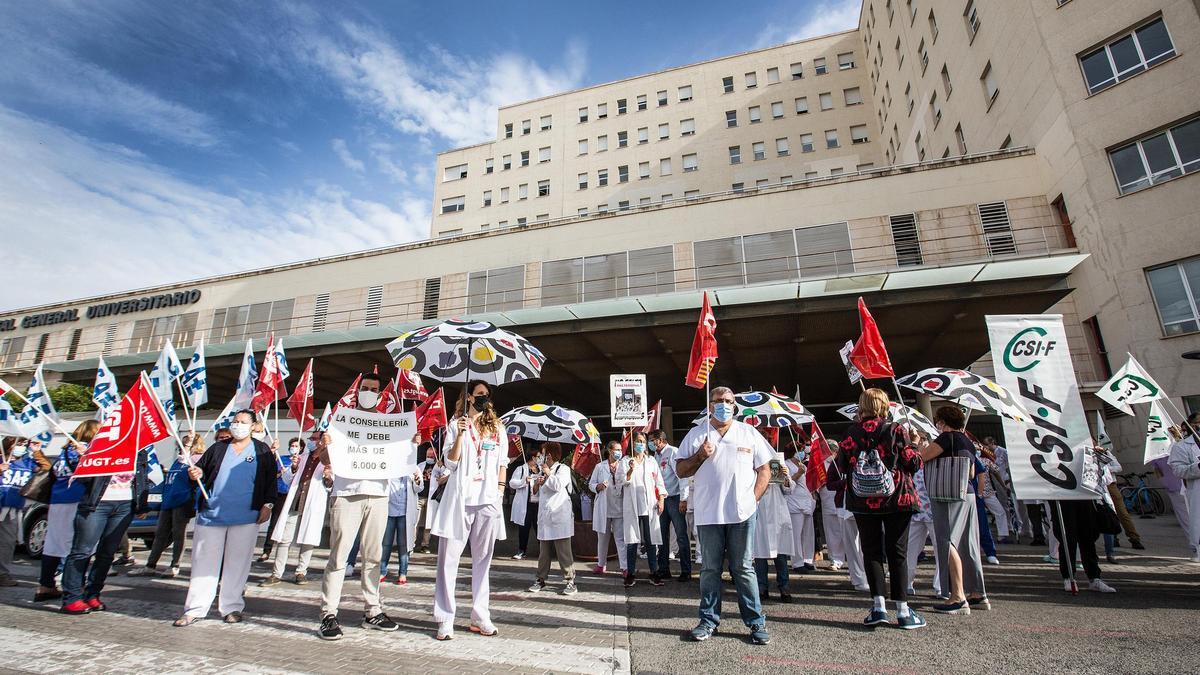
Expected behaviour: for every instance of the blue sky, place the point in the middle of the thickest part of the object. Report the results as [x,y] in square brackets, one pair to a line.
[145,142]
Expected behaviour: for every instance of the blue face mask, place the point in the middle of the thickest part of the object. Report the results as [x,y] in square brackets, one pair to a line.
[639,448]
[722,412]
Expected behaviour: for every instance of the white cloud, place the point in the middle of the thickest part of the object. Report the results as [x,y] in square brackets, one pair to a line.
[79,217]
[348,159]
[826,17]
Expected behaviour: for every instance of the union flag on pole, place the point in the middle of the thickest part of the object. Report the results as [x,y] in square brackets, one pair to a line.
[586,457]
[654,419]
[388,401]
[350,398]
[432,413]
[704,348]
[270,381]
[300,404]
[869,355]
[410,387]
[137,422]
[818,452]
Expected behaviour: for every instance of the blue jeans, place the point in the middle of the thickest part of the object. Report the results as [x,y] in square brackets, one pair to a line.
[395,535]
[631,550]
[102,529]
[1110,541]
[729,543]
[782,573]
[986,543]
[671,515]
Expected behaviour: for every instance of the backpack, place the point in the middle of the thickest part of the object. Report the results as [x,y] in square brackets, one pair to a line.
[870,478]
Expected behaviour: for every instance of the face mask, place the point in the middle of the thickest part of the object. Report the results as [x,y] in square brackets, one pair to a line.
[310,444]
[639,448]
[259,435]
[480,402]
[240,430]
[616,456]
[293,449]
[368,399]
[723,412]
[19,451]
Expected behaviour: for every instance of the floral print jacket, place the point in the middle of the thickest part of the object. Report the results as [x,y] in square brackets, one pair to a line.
[895,452]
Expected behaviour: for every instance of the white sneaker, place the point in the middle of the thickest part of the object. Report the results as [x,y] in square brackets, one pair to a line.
[1196,558]
[170,572]
[836,565]
[993,560]
[140,572]
[862,587]
[445,630]
[1099,586]
[1067,585]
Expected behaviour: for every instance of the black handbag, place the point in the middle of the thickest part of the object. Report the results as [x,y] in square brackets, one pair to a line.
[1106,519]
[39,487]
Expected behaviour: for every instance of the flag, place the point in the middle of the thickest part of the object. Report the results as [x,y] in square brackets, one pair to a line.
[432,413]
[772,436]
[654,419]
[35,419]
[704,348]
[410,386]
[195,379]
[226,417]
[1158,441]
[389,402]
[1102,438]
[350,398]
[818,452]
[270,387]
[138,422]
[166,370]
[105,394]
[1131,384]
[247,379]
[851,371]
[300,404]
[515,446]
[585,458]
[10,420]
[625,438]
[326,418]
[869,355]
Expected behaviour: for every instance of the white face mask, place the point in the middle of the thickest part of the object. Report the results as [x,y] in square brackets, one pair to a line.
[368,399]
[616,456]
[240,430]
[259,435]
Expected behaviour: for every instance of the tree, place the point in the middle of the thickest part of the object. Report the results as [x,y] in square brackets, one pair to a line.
[72,398]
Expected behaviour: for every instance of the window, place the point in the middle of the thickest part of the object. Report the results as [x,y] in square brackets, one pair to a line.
[933,28]
[668,197]
[988,81]
[777,110]
[521,222]
[622,106]
[751,80]
[738,187]
[601,111]
[664,166]
[935,109]
[809,175]
[781,147]
[837,171]
[643,170]
[785,179]
[865,167]
[924,54]
[908,99]
[890,11]
[802,105]
[906,239]
[730,118]
[1126,56]
[623,173]
[1157,158]
[523,191]
[504,192]
[755,114]
[735,154]
[496,290]
[642,201]
[920,148]
[1007,143]
[912,11]
[760,150]
[506,162]
[662,98]
[487,197]
[583,146]
[946,82]
[826,101]
[1176,291]
[852,96]
[454,204]
[899,54]
[546,122]
[685,93]
[858,134]
[997,229]
[526,127]
[489,165]
[457,172]
[664,131]
[846,61]
[543,155]
[806,142]
[961,139]
[623,205]
[583,181]
[761,183]
[602,143]
[602,177]
[544,188]
[819,65]
[524,158]
[508,130]
[622,139]
[831,139]
[687,127]
[971,16]
[727,84]
[797,71]
[643,135]
[602,208]
[583,114]
[641,102]
[690,163]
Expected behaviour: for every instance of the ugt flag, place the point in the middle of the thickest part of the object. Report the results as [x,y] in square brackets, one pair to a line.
[105,394]
[300,404]
[195,378]
[39,412]
[704,348]
[1131,384]
[138,422]
[166,370]
[247,379]
[409,386]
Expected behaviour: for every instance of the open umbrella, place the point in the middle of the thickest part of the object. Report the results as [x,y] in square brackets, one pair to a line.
[763,409]
[967,388]
[898,414]
[458,350]
[542,422]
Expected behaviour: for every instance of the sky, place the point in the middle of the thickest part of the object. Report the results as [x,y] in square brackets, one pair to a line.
[146,142]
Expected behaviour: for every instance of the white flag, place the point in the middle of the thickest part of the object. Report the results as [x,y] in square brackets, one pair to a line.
[225,418]
[281,360]
[105,394]
[1102,438]
[1131,384]
[10,420]
[326,418]
[247,379]
[1158,441]
[195,379]
[851,371]
[166,370]
[39,412]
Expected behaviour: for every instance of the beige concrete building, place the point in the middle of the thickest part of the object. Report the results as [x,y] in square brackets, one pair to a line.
[946,159]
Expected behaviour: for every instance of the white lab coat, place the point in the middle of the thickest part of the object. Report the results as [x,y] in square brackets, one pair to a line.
[520,483]
[799,500]
[412,508]
[600,514]
[773,526]
[431,506]
[450,520]
[645,485]
[556,519]
[312,513]
[1184,461]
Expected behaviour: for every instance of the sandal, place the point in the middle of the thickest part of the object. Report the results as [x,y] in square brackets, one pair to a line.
[233,617]
[185,621]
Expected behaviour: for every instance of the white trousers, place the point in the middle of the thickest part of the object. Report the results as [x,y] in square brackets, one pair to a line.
[614,530]
[482,522]
[1178,504]
[282,547]
[918,532]
[833,527]
[220,556]
[803,538]
[60,530]
[994,507]
[1192,494]
[853,551]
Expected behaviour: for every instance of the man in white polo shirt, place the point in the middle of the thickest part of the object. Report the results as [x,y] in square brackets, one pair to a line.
[730,464]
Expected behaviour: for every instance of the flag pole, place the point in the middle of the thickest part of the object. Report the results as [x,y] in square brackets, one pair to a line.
[170,429]
[183,401]
[49,419]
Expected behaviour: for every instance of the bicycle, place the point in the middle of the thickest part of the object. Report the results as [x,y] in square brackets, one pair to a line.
[1140,498]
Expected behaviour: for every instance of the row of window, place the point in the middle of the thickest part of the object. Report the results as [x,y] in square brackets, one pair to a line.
[750,79]
[683,95]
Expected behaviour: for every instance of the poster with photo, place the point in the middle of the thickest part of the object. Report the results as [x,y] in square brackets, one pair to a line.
[627,394]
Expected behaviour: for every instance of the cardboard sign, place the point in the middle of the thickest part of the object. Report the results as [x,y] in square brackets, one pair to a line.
[371,445]
[628,396]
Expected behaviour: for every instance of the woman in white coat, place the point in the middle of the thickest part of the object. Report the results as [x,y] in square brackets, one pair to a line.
[773,532]
[606,510]
[801,506]
[476,452]
[303,515]
[556,519]
[525,503]
[1184,461]
[642,501]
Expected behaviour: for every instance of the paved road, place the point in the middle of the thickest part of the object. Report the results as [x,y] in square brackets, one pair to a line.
[1149,626]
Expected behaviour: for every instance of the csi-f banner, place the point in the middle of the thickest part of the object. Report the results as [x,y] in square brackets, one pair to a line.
[138,422]
[1158,441]
[1032,361]
[1131,384]
[372,445]
[627,394]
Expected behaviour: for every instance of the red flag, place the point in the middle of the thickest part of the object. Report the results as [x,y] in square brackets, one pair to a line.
[654,422]
[137,422]
[869,355]
[586,457]
[772,436]
[410,386]
[818,452]
[704,348]
[515,446]
[625,440]
[270,386]
[300,404]
[350,398]
[432,413]
[388,401]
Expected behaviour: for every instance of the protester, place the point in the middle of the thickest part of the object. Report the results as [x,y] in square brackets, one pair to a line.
[304,507]
[240,479]
[731,465]
[1174,488]
[607,508]
[223,435]
[949,461]
[470,508]
[423,506]
[979,483]
[879,463]
[1078,542]
[60,515]
[1004,491]
[358,514]
[16,469]
[988,492]
[401,530]
[847,527]
[556,519]
[772,541]
[642,502]
[672,517]
[1184,461]
[831,524]
[800,506]
[920,529]
[525,511]
[286,472]
[175,511]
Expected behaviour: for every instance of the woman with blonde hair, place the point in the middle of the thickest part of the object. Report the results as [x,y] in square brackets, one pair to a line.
[476,452]
[60,516]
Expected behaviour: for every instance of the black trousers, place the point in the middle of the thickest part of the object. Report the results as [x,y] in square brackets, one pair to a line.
[884,537]
[531,522]
[1035,522]
[278,509]
[1079,517]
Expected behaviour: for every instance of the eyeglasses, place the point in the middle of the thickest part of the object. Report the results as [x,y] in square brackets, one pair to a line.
[721,400]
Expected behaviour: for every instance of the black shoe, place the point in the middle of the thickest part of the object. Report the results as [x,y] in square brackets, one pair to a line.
[1111,560]
[1038,542]
[1137,545]
[684,576]
[808,567]
[630,580]
[656,580]
[764,596]
[785,597]
[330,629]
[380,622]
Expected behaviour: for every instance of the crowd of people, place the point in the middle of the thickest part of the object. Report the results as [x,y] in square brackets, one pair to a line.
[725,491]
